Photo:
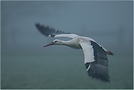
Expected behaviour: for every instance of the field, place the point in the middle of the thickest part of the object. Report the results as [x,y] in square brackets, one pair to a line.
[23,70]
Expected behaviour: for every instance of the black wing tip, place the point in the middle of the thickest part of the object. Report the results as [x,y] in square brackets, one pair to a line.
[37,24]
[102,78]
[44,27]
[98,71]
[46,30]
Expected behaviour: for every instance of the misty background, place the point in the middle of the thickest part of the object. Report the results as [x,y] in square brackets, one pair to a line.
[110,23]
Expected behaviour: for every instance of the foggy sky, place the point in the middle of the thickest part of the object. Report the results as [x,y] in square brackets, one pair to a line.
[108,22]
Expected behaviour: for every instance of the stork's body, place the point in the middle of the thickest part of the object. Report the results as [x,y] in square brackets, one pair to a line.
[96,61]
[73,43]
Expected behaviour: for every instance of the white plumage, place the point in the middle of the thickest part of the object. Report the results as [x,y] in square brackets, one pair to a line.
[95,58]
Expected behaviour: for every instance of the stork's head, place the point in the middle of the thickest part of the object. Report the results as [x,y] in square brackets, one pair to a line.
[54,42]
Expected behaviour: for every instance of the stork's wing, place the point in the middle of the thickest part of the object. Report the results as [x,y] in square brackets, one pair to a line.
[51,32]
[95,60]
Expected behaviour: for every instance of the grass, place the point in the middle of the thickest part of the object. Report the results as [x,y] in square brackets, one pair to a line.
[61,70]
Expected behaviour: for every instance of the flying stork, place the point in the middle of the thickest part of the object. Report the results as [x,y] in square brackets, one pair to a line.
[96,61]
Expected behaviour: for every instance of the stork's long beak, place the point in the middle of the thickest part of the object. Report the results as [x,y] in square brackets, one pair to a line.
[52,43]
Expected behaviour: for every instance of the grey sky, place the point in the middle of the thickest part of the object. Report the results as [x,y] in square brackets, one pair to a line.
[105,21]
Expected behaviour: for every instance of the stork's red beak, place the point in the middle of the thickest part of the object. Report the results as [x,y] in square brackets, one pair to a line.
[52,43]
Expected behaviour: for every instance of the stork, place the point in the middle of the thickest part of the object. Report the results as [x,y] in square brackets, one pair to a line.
[95,56]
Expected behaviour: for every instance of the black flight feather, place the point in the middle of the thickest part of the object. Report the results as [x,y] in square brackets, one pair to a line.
[99,68]
[47,31]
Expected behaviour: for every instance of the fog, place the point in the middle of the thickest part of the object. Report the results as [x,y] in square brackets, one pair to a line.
[109,23]
[26,64]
